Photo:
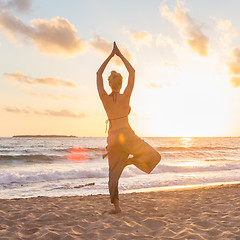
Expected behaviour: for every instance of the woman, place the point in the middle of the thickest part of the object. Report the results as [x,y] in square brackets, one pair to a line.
[122,140]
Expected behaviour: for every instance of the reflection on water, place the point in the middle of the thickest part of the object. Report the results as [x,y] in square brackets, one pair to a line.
[186,142]
[190,164]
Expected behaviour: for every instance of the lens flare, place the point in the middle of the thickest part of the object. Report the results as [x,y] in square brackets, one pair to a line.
[77,154]
[121,138]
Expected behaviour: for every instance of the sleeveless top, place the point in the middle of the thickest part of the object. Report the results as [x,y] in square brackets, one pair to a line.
[108,121]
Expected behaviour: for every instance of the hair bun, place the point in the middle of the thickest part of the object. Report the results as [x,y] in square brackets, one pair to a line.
[115,79]
[114,74]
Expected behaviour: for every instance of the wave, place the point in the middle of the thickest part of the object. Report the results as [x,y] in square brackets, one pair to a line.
[164,168]
[30,158]
[173,149]
[161,149]
[60,154]
[44,175]
[187,169]
[31,175]
[97,155]
[86,149]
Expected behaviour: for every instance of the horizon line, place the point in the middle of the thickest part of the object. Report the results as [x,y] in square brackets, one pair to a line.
[75,136]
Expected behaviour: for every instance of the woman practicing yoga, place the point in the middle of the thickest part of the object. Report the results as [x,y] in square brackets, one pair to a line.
[122,140]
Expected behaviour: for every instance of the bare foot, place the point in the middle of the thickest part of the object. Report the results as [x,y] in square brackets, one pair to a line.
[114,211]
[117,206]
[129,161]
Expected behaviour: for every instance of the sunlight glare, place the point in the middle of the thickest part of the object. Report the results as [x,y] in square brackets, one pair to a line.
[186,142]
[190,164]
[189,101]
[77,154]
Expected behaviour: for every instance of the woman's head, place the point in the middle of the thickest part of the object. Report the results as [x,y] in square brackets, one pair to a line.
[115,81]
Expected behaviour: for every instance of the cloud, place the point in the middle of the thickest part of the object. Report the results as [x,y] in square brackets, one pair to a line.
[104,47]
[160,85]
[64,113]
[189,30]
[13,109]
[47,112]
[47,95]
[154,85]
[18,5]
[235,81]
[52,96]
[54,36]
[226,34]
[140,37]
[167,41]
[50,81]
[226,27]
[234,64]
[234,68]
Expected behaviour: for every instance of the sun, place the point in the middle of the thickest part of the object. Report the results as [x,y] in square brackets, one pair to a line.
[190,106]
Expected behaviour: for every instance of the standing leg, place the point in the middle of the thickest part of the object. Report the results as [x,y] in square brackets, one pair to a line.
[117,161]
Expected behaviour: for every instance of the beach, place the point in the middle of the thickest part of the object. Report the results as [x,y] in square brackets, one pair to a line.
[208,212]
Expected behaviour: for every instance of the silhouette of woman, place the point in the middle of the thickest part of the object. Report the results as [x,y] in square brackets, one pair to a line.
[122,140]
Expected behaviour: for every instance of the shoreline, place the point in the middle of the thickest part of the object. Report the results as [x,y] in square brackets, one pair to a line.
[181,187]
[142,190]
[209,212]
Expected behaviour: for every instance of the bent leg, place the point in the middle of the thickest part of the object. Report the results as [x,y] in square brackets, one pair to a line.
[144,157]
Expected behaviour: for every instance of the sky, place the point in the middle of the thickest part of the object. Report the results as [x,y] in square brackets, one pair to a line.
[186,55]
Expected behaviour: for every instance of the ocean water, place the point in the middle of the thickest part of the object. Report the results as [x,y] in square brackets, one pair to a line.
[31,167]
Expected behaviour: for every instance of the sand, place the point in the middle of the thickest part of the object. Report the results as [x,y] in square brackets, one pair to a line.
[201,213]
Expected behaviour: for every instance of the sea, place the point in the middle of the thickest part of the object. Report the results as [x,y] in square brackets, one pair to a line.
[73,166]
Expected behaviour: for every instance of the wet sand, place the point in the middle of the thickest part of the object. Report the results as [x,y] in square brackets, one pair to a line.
[211,212]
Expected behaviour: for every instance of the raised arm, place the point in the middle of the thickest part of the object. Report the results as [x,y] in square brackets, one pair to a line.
[100,87]
[130,69]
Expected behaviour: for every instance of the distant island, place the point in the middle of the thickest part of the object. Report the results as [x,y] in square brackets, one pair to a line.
[43,136]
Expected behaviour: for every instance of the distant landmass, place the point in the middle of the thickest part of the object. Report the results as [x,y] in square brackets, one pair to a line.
[43,136]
